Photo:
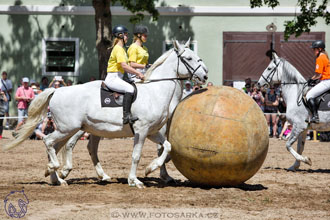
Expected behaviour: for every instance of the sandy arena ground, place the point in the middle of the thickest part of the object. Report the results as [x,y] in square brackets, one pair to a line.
[272,193]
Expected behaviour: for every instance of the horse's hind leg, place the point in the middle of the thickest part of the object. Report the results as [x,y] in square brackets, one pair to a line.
[92,146]
[158,162]
[300,149]
[51,141]
[67,154]
[293,137]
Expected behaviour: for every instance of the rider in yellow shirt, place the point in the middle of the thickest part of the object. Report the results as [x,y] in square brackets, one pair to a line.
[138,55]
[117,66]
[322,72]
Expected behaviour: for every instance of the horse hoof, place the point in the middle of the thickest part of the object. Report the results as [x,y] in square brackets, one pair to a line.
[292,168]
[168,180]
[136,183]
[106,178]
[308,161]
[47,172]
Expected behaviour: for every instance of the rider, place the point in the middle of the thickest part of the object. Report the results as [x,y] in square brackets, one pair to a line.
[138,55]
[117,66]
[322,72]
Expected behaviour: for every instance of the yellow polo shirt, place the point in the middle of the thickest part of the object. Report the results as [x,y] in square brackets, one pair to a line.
[118,55]
[138,54]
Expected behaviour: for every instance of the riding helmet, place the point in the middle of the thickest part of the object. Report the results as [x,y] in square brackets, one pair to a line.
[119,31]
[140,29]
[318,44]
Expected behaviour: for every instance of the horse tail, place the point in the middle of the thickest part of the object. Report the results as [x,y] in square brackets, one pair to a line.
[37,109]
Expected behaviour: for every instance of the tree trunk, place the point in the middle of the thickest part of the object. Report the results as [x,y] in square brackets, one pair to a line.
[103,34]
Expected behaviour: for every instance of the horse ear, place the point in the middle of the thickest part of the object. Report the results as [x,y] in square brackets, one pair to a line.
[177,45]
[275,55]
[187,43]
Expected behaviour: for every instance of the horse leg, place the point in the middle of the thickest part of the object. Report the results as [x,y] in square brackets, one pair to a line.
[57,147]
[300,149]
[158,162]
[51,141]
[67,154]
[163,172]
[92,147]
[295,133]
[139,139]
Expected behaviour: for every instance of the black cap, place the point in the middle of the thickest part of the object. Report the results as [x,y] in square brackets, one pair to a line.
[118,30]
[318,44]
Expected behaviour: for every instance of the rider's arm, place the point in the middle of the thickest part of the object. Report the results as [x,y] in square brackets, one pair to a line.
[137,65]
[316,76]
[131,70]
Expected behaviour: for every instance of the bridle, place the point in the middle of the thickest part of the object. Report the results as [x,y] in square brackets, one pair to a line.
[270,76]
[190,69]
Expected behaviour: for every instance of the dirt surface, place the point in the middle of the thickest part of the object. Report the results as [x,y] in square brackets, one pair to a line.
[272,193]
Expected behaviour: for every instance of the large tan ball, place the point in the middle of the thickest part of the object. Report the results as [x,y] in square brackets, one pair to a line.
[219,137]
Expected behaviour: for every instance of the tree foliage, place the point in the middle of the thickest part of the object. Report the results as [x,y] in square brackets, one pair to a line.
[310,11]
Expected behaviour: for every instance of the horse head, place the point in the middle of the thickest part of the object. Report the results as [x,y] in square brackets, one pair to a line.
[189,64]
[272,74]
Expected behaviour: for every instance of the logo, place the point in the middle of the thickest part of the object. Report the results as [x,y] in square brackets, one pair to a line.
[107,101]
[16,204]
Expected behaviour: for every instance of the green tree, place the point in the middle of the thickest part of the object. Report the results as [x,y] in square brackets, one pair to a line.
[104,27]
[310,11]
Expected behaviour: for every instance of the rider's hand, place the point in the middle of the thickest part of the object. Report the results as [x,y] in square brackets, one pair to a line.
[140,76]
[311,82]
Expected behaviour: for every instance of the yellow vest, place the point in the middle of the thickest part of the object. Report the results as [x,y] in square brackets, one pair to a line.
[138,54]
[118,55]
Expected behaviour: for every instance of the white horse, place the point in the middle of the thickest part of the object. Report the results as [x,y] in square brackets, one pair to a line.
[294,86]
[78,108]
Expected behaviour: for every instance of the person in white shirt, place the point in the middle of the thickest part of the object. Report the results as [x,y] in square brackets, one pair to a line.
[187,90]
[6,86]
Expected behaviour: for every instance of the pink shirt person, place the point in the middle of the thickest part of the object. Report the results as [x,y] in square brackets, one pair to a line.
[25,94]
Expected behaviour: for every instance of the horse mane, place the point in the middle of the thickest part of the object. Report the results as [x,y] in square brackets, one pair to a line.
[292,74]
[157,63]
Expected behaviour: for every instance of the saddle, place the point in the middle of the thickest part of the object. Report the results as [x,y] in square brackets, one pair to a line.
[113,99]
[323,101]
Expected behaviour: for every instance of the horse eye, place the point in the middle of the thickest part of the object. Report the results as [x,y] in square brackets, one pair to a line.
[269,68]
[189,58]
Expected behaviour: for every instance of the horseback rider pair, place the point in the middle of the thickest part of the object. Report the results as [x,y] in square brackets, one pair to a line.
[322,73]
[120,64]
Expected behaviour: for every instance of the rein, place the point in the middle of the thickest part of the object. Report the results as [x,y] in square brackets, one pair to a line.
[190,69]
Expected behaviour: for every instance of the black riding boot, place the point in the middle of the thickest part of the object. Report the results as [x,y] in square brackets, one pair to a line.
[313,107]
[127,103]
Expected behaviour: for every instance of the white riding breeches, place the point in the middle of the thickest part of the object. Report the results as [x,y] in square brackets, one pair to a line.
[115,82]
[319,89]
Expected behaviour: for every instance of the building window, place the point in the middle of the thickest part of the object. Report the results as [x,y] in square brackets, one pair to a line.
[167,45]
[60,57]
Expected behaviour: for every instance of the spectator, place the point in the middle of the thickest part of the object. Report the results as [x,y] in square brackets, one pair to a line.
[271,108]
[57,82]
[24,96]
[247,89]
[69,82]
[248,83]
[44,83]
[46,127]
[197,87]
[36,89]
[187,90]
[6,86]
[286,131]
[209,84]
[3,101]
[256,94]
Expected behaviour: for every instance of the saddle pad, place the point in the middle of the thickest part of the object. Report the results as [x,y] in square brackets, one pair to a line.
[108,100]
[325,103]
